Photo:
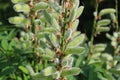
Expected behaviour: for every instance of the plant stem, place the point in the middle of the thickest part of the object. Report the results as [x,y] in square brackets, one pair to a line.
[64,27]
[94,27]
[117,24]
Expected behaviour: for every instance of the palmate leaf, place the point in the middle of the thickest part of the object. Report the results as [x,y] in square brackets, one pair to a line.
[76,41]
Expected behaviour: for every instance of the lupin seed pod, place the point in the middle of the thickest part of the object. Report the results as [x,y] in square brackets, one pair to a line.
[40,6]
[102,29]
[99,47]
[17,20]
[77,41]
[79,11]
[103,22]
[18,1]
[68,34]
[22,8]
[72,15]
[106,11]
[75,25]
[72,71]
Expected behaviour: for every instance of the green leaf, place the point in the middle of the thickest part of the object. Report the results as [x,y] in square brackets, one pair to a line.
[76,41]
[75,25]
[30,69]
[40,6]
[103,22]
[23,69]
[72,71]
[79,11]
[48,17]
[53,39]
[72,15]
[106,11]
[4,44]
[49,54]
[56,25]
[40,76]
[115,71]
[68,34]
[67,61]
[76,50]
[8,70]
[56,75]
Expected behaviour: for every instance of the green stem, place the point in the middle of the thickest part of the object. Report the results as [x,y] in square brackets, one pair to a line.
[64,29]
[93,29]
[117,24]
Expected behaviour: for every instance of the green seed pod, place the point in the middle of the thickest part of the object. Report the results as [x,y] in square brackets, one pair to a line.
[68,34]
[72,71]
[72,15]
[79,11]
[102,29]
[107,56]
[77,41]
[49,71]
[75,25]
[99,47]
[19,1]
[103,22]
[40,6]
[22,8]
[67,61]
[113,17]
[76,50]
[48,17]
[56,75]
[106,11]
[56,25]
[53,39]
[24,46]
[17,20]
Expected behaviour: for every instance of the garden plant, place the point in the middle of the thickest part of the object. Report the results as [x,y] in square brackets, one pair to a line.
[44,43]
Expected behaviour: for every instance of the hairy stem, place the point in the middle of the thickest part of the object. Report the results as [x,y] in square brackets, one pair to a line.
[117,24]
[94,27]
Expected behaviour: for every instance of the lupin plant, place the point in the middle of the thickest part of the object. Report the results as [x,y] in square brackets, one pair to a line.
[50,34]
